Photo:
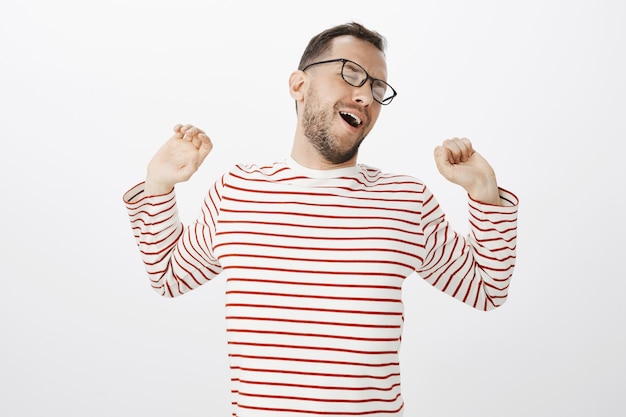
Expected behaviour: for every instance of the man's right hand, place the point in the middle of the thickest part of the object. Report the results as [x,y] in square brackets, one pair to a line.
[177,160]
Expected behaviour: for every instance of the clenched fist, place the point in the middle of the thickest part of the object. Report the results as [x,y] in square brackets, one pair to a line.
[460,164]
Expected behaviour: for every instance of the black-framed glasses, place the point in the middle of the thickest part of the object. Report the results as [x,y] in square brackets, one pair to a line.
[356,76]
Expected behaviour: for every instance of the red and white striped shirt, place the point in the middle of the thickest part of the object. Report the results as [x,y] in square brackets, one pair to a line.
[314,263]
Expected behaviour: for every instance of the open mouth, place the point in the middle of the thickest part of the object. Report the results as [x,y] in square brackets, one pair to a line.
[351,119]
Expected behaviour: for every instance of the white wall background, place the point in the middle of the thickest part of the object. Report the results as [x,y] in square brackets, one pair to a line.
[90,89]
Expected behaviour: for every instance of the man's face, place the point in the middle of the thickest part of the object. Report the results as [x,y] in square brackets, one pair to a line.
[337,116]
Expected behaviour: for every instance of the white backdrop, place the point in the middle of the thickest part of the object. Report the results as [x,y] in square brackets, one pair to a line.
[90,89]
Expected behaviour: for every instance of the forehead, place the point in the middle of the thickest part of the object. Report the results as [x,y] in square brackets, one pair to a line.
[361,52]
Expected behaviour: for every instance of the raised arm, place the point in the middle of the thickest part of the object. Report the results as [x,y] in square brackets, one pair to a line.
[475,269]
[177,258]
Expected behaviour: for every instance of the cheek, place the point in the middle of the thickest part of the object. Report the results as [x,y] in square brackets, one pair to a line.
[374,115]
[332,90]
[317,97]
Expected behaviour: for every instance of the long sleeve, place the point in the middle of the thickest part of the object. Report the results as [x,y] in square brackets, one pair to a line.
[314,263]
[177,259]
[475,269]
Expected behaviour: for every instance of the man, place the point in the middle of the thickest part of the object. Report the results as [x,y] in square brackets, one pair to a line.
[315,248]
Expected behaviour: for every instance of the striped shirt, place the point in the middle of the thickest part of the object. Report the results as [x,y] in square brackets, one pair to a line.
[314,263]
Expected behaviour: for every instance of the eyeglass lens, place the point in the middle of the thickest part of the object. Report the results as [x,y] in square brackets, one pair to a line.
[356,76]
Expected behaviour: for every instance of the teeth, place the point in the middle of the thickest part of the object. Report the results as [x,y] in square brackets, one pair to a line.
[357,120]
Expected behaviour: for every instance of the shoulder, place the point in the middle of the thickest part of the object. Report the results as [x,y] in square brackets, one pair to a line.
[375,177]
[256,173]
[268,169]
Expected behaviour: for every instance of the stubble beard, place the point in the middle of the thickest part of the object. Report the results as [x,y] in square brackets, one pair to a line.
[317,123]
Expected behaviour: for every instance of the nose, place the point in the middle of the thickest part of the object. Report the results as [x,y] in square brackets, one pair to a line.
[363,94]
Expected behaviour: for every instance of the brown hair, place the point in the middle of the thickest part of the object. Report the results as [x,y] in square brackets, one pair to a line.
[321,43]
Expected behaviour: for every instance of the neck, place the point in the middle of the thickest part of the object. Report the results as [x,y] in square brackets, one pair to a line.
[306,155]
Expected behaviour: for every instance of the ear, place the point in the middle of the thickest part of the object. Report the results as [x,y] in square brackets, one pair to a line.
[297,81]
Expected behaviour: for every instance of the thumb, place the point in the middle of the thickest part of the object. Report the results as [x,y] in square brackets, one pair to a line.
[442,160]
[205,146]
